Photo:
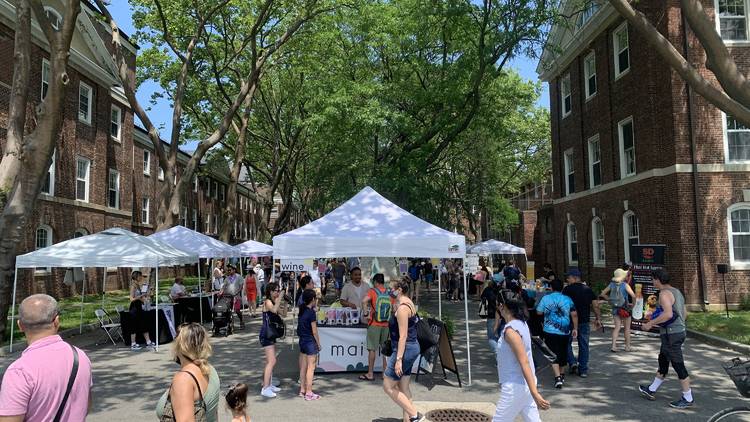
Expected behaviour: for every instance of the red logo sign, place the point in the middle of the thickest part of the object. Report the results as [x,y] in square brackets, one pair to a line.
[648,253]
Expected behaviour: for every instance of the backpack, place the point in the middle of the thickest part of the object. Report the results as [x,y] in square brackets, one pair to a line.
[382,311]
[617,298]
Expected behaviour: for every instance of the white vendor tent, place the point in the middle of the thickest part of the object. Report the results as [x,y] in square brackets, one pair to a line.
[253,248]
[114,247]
[369,225]
[495,247]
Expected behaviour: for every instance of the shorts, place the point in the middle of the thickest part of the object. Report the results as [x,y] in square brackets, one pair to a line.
[411,353]
[428,278]
[308,347]
[338,283]
[376,336]
[264,342]
[559,346]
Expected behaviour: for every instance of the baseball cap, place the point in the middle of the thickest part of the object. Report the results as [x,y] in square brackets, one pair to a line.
[573,272]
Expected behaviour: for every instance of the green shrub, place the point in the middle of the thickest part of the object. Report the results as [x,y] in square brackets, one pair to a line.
[745,303]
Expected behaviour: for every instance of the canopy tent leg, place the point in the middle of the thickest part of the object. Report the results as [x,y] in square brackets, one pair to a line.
[200,291]
[157,310]
[440,296]
[83,296]
[13,308]
[104,285]
[468,335]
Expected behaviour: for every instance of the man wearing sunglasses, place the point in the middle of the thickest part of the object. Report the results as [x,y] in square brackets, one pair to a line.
[51,381]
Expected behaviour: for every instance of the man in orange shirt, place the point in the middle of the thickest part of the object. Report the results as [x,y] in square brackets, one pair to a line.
[377,307]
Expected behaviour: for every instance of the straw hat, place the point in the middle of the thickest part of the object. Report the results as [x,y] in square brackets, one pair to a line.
[620,275]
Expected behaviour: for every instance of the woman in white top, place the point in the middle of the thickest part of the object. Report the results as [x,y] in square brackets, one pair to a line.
[518,393]
[218,275]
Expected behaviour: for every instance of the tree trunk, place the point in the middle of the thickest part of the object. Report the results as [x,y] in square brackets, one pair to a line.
[230,211]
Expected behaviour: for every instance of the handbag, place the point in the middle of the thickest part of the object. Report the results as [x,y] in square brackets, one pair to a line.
[425,336]
[71,381]
[386,349]
[275,327]
[199,413]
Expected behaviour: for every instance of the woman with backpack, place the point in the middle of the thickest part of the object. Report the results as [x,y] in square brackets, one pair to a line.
[617,295]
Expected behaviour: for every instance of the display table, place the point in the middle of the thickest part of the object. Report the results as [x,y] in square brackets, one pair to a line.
[344,349]
[167,330]
[188,309]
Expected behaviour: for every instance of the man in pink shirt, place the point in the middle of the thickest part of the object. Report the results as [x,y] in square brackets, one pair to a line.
[33,386]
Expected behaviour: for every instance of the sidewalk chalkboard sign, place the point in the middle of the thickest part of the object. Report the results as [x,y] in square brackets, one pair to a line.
[444,349]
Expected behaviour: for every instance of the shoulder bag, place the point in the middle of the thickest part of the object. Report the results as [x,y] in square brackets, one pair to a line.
[200,412]
[275,327]
[71,381]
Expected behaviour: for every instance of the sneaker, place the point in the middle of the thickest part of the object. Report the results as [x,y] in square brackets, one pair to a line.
[645,392]
[419,418]
[583,374]
[681,403]
[150,345]
[267,392]
[312,397]
[274,388]
[562,377]
[135,346]
[558,382]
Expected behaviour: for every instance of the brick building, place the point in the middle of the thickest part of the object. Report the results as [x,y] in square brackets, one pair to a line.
[104,172]
[636,159]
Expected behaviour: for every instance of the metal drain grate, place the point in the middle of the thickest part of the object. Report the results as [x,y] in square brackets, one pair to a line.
[457,415]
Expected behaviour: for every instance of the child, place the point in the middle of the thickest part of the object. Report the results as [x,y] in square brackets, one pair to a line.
[237,402]
[309,344]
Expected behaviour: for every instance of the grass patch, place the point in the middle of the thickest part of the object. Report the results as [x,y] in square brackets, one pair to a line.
[736,328]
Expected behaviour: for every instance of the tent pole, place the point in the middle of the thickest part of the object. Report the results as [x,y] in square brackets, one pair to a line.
[13,308]
[466,312]
[83,295]
[440,293]
[200,290]
[157,311]
[104,285]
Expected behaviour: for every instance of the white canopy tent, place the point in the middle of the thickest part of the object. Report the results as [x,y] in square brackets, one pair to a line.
[495,247]
[114,247]
[253,248]
[369,225]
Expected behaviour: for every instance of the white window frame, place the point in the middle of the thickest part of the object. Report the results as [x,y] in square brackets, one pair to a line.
[51,171]
[733,263]
[617,49]
[235,229]
[50,10]
[117,122]
[626,232]
[46,72]
[216,223]
[82,86]
[86,180]
[50,242]
[725,130]
[746,41]
[598,246]
[591,140]
[161,174]
[566,79]
[208,224]
[146,210]
[195,184]
[569,168]
[587,76]
[174,182]
[195,219]
[623,159]
[146,162]
[569,243]
[117,188]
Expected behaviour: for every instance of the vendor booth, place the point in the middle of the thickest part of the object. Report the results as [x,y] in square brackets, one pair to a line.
[114,247]
[367,225]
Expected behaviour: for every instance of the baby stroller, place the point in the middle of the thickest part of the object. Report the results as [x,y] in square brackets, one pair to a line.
[222,315]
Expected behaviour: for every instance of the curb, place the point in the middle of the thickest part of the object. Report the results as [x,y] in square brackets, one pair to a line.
[718,341]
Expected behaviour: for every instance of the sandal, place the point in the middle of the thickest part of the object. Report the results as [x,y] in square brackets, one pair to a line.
[312,396]
[301,394]
[363,377]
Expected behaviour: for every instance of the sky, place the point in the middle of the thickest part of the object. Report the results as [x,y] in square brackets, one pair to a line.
[161,112]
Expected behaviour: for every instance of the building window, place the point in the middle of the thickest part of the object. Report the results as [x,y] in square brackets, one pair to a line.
[208,188]
[739,235]
[234,234]
[597,235]
[631,232]
[80,233]
[83,169]
[85,97]
[223,193]
[627,148]
[732,19]
[48,185]
[55,19]
[195,184]
[161,173]
[586,15]
[115,127]
[46,71]
[183,217]
[572,236]
[43,240]
[595,162]
[216,223]
[737,139]
[208,224]
[195,220]
[145,211]
[146,162]
[113,191]
[589,70]
[570,179]
[565,95]
[621,50]
[216,190]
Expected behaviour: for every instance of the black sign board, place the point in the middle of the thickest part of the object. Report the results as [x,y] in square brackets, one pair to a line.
[646,258]
[444,349]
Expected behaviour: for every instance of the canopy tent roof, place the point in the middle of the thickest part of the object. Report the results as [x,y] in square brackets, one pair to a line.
[368,225]
[253,248]
[114,247]
[196,243]
[495,247]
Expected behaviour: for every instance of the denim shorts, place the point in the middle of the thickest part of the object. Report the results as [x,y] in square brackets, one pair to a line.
[264,342]
[309,348]
[411,354]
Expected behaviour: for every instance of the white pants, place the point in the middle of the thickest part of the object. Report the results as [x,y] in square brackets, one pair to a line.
[516,399]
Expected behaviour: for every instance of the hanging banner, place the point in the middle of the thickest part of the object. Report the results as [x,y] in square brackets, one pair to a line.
[296,265]
[344,349]
[646,258]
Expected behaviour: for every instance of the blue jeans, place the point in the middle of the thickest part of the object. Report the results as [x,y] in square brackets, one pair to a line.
[584,332]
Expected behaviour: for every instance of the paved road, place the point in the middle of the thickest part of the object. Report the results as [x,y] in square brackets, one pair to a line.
[128,384]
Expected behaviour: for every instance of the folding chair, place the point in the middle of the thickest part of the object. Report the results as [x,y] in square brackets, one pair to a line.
[109,327]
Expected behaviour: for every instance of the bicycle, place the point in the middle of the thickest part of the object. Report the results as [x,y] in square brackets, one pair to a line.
[739,372]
